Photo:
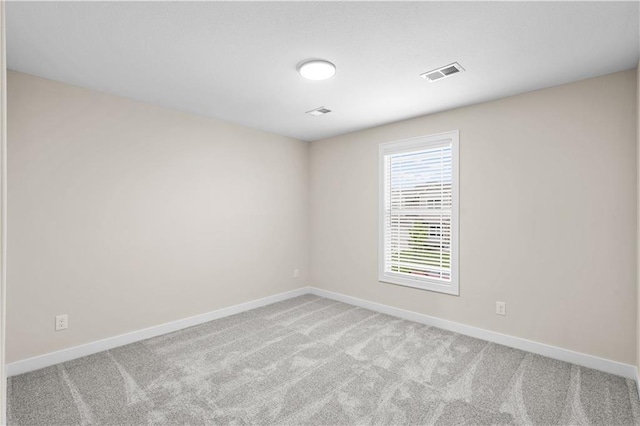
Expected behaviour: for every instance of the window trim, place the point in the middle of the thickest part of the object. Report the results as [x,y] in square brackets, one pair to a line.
[406,145]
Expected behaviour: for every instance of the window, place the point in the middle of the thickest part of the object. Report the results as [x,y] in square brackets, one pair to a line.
[419,212]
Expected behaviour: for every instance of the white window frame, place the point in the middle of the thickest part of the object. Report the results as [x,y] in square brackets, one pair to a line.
[407,145]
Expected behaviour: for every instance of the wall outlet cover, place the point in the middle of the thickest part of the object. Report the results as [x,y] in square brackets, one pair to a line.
[62,322]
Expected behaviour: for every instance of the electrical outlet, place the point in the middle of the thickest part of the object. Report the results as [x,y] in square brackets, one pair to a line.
[62,322]
[501,308]
[296,273]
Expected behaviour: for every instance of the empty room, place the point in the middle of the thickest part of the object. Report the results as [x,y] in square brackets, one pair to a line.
[319,213]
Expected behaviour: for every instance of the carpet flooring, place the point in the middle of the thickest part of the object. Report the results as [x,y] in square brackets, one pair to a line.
[311,360]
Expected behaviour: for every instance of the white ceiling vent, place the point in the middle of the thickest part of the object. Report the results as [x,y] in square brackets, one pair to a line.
[319,111]
[444,72]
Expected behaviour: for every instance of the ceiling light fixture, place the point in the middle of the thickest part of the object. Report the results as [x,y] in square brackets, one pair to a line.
[317,69]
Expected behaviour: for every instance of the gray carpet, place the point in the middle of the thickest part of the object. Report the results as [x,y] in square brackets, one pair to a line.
[311,360]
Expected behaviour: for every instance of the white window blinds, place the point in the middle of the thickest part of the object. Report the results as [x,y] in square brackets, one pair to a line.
[419,209]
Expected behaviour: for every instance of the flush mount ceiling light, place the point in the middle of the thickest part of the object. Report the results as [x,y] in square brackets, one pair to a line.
[317,69]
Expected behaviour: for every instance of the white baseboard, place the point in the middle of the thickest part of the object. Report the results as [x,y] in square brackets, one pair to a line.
[584,360]
[52,358]
[590,361]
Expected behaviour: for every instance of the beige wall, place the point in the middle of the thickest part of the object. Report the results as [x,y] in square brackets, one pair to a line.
[638,221]
[3,231]
[125,215]
[547,216]
[119,208]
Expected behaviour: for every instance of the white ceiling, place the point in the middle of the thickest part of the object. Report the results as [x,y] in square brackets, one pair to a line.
[236,61]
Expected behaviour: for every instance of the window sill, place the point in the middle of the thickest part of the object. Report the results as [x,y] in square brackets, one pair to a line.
[428,285]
